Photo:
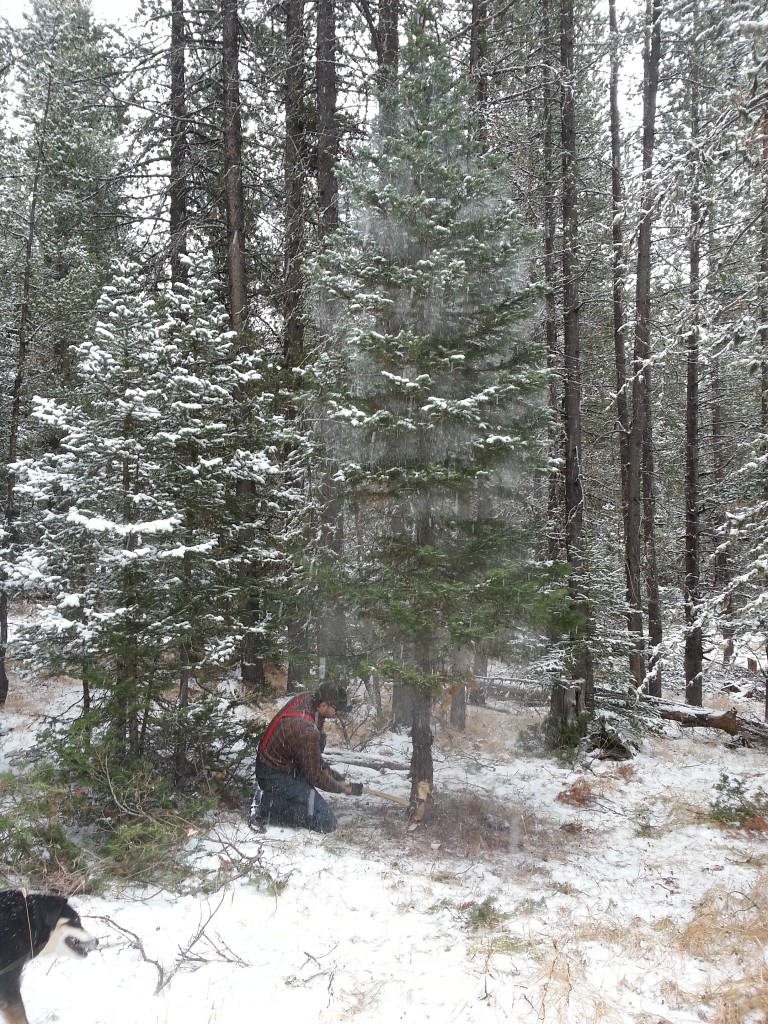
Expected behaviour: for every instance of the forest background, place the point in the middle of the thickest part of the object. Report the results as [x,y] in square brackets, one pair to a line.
[381,342]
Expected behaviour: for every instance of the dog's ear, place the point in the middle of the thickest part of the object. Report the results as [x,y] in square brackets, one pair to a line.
[49,908]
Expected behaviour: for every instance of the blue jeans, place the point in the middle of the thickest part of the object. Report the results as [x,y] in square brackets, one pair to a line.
[290,800]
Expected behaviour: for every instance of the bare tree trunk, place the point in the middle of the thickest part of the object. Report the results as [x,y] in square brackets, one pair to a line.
[332,625]
[385,37]
[694,654]
[555,539]
[233,175]
[581,660]
[327,126]
[388,45]
[478,69]
[422,768]
[295,173]
[640,477]
[179,187]
[7,534]
[632,554]
[293,293]
[180,756]
[722,572]
[251,665]
[763,287]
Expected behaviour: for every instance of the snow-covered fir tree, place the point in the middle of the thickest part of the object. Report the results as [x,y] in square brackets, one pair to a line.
[139,553]
[430,390]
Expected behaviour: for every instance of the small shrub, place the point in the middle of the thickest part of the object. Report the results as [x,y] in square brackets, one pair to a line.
[483,915]
[563,739]
[735,805]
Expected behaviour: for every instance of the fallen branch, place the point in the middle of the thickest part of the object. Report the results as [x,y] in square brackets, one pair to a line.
[748,731]
[351,757]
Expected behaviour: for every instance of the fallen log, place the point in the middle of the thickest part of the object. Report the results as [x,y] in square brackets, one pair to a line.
[692,717]
[746,730]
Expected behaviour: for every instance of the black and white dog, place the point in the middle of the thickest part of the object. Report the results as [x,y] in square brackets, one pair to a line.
[30,925]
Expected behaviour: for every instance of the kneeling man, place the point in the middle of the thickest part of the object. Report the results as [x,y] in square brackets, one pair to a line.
[290,766]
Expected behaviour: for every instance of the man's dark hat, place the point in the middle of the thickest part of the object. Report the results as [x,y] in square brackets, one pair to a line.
[335,694]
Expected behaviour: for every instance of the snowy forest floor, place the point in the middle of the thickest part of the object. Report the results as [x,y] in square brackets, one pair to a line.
[536,893]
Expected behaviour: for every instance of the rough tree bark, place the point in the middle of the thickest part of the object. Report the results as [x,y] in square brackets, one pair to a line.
[555,499]
[251,664]
[632,552]
[580,656]
[722,570]
[640,477]
[478,69]
[233,177]
[294,174]
[385,36]
[327,126]
[7,534]
[694,654]
[332,626]
[293,298]
[179,185]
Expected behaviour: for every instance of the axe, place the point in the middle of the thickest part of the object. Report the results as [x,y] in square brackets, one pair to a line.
[367,791]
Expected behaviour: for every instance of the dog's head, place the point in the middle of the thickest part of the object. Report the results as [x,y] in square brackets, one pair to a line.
[67,937]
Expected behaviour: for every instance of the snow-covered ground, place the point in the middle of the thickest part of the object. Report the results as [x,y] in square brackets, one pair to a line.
[535,894]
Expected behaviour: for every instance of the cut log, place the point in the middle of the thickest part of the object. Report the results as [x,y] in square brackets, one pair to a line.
[691,717]
[747,731]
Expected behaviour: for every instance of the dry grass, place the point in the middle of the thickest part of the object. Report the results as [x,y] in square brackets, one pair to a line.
[469,826]
[740,1002]
[728,924]
[728,931]
[492,732]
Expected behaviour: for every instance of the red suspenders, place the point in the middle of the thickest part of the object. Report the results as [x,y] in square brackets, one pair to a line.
[287,712]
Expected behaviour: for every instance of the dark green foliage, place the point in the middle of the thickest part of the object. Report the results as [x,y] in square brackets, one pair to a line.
[139,556]
[737,804]
[93,815]
[430,394]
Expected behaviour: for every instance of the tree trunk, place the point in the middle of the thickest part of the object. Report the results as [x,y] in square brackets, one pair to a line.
[7,534]
[694,655]
[180,755]
[722,572]
[632,560]
[251,665]
[389,45]
[327,126]
[640,477]
[332,625]
[555,539]
[294,171]
[422,769]
[233,173]
[581,659]
[478,69]
[385,37]
[179,187]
